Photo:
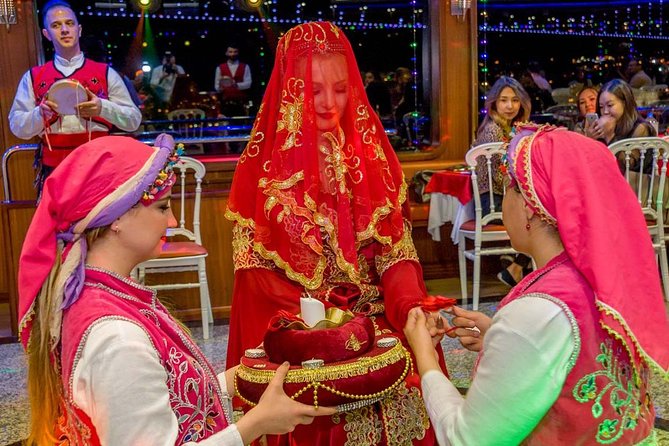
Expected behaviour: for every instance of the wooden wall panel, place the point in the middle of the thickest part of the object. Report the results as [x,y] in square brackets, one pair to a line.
[216,233]
[20,47]
[15,218]
[455,95]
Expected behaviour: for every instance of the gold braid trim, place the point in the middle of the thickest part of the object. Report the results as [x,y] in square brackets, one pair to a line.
[313,378]
[362,366]
[405,417]
[309,283]
[379,214]
[26,319]
[243,256]
[237,218]
[604,308]
[404,249]
[370,230]
[528,190]
[333,242]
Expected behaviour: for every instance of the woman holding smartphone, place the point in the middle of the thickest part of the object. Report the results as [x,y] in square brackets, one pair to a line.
[587,108]
[619,118]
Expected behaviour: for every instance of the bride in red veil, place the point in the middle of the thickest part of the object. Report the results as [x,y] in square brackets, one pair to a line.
[319,205]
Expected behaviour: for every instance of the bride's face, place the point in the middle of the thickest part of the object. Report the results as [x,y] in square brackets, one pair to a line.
[330,80]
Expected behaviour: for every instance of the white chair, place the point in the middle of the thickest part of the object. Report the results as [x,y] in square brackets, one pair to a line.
[562,96]
[188,125]
[190,255]
[650,186]
[481,229]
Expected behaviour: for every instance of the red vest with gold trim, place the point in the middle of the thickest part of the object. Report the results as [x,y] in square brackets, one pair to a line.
[605,398]
[233,93]
[199,409]
[92,75]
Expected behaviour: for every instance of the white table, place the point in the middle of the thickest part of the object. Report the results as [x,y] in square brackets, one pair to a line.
[448,209]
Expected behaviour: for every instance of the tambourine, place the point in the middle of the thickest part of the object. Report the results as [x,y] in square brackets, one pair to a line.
[370,372]
[67,94]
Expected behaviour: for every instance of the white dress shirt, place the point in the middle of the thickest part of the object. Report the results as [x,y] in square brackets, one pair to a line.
[164,83]
[121,385]
[525,364]
[25,118]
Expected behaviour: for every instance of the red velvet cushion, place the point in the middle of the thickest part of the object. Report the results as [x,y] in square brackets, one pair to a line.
[181,249]
[471,226]
[350,340]
[369,376]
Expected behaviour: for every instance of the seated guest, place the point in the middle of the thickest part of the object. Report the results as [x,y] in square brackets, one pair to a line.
[107,363]
[507,104]
[319,205]
[587,104]
[637,76]
[619,118]
[566,360]
[378,94]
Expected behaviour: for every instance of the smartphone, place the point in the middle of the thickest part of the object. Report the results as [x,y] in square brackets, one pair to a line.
[591,117]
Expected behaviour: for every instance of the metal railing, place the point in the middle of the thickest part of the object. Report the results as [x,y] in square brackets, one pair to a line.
[149,138]
[5,161]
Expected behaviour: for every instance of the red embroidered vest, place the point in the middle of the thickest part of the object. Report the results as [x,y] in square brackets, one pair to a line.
[605,396]
[199,409]
[233,93]
[92,75]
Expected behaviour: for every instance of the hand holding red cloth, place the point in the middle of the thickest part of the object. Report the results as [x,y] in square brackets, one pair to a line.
[431,304]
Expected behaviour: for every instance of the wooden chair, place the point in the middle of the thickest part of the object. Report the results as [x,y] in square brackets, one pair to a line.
[481,229]
[190,255]
[649,157]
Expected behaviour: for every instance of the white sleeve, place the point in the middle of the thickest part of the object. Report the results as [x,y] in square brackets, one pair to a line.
[246,83]
[217,79]
[156,75]
[120,384]
[25,118]
[119,108]
[521,374]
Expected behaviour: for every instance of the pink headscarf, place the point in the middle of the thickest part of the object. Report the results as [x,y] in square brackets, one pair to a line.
[97,183]
[573,182]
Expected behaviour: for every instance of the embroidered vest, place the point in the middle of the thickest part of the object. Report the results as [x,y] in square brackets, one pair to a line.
[605,396]
[199,408]
[233,93]
[92,75]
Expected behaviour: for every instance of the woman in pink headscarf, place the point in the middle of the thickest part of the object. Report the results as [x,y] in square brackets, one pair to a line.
[107,363]
[566,360]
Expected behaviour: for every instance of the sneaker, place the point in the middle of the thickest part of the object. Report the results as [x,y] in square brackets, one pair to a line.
[506,260]
[506,278]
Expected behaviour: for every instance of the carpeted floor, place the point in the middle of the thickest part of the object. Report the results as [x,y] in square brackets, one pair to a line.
[14,408]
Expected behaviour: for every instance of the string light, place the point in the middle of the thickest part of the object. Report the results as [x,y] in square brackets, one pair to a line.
[414,72]
[483,51]
[625,22]
[232,19]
